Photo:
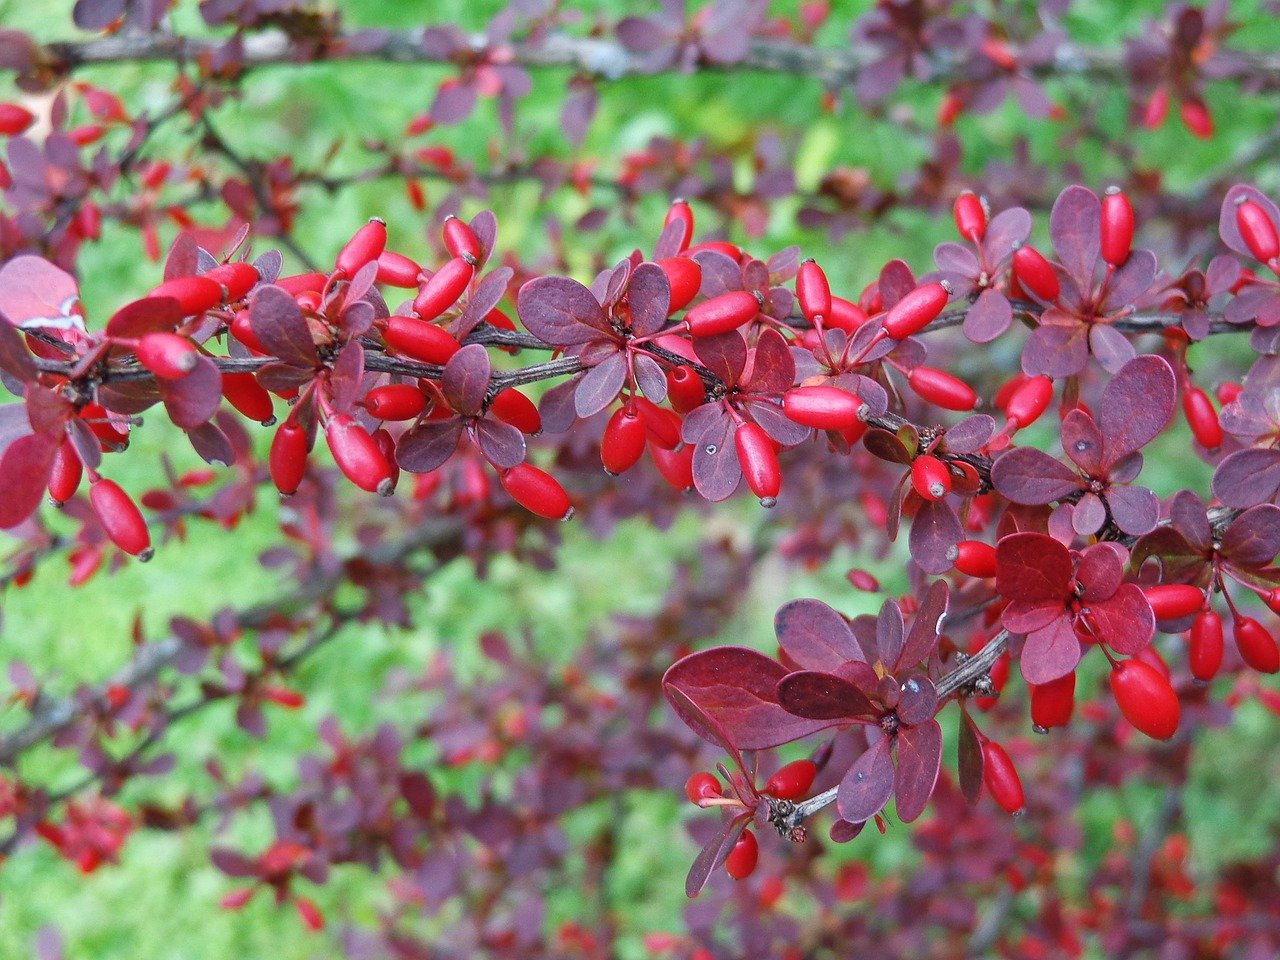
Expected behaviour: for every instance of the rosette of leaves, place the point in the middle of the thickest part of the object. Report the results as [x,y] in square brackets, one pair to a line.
[935,524]
[1191,293]
[1249,477]
[978,271]
[1258,301]
[1136,406]
[1055,594]
[1093,294]
[719,33]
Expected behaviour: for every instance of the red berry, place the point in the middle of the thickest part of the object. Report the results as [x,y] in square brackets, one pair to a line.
[1257,230]
[1001,777]
[930,477]
[120,518]
[387,444]
[684,274]
[792,782]
[1202,418]
[846,315]
[1256,645]
[14,119]
[681,213]
[460,240]
[759,462]
[243,392]
[310,913]
[663,425]
[1035,273]
[443,289]
[702,785]
[238,278]
[194,294]
[1206,646]
[167,355]
[395,401]
[1052,703]
[942,389]
[513,407]
[1197,118]
[288,458]
[623,443]
[363,248]
[537,491]
[975,558]
[1146,698]
[916,310]
[302,283]
[64,478]
[676,466]
[824,408]
[1029,401]
[418,340]
[722,314]
[685,388]
[1174,600]
[1117,227]
[743,857]
[970,216]
[813,291]
[1157,109]
[1272,599]
[357,455]
[397,270]
[1228,392]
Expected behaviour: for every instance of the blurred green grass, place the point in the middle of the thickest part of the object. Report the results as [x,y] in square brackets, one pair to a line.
[160,903]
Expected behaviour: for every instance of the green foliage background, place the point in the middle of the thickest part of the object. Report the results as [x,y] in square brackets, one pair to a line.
[161,902]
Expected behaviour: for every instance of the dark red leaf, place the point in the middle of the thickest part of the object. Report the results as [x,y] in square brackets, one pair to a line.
[1136,405]
[1050,652]
[814,635]
[561,311]
[919,761]
[427,445]
[1123,621]
[823,696]
[868,784]
[278,323]
[466,379]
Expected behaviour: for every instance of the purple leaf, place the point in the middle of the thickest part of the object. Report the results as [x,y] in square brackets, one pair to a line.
[917,701]
[716,470]
[1005,229]
[815,636]
[347,377]
[1029,476]
[1253,539]
[868,784]
[715,852]
[925,627]
[1247,478]
[501,443]
[989,317]
[277,321]
[919,761]
[649,376]
[561,311]
[1050,652]
[935,530]
[970,759]
[466,379]
[724,354]
[823,696]
[1075,228]
[1056,349]
[35,293]
[427,445]
[601,385]
[194,399]
[1135,510]
[1124,621]
[1136,405]
[24,473]
[648,298]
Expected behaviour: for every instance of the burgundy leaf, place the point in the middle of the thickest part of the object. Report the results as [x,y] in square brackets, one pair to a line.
[1030,476]
[935,530]
[724,354]
[1034,572]
[1247,478]
[917,701]
[347,376]
[1253,539]
[715,852]
[1100,571]
[466,379]
[561,311]
[278,323]
[1082,441]
[24,473]
[194,399]
[145,316]
[815,636]
[648,298]
[889,633]
[1088,514]
[1137,404]
[925,627]
[868,784]
[919,761]
[1052,651]
[970,759]
[1135,510]
[212,445]
[772,369]
[501,443]
[1074,226]
[1124,621]
[822,696]
[601,385]
[487,295]
[427,445]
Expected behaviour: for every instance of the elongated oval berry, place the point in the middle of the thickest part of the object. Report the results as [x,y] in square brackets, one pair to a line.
[916,310]
[1272,599]
[537,491]
[302,283]
[684,274]
[1052,703]
[1117,227]
[685,388]
[792,781]
[120,518]
[976,559]
[357,455]
[1029,401]
[1173,600]
[237,278]
[1001,777]
[702,786]
[930,477]
[721,314]
[397,270]
[730,250]
[167,355]
[845,315]
[970,216]
[513,407]
[742,859]
[942,389]
[623,442]
[14,119]
[813,291]
[663,425]
[364,247]
[395,401]
[443,289]
[681,213]
[243,392]
[1036,274]
[1256,230]
[387,444]
[1256,645]
[1202,418]
[1146,698]
[242,330]
[1205,646]
[676,466]
[1196,117]
[194,294]
[1157,109]
[418,340]
[824,408]
[759,462]
[460,240]
[64,478]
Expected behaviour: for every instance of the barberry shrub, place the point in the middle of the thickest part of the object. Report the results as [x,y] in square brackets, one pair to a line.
[392,398]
